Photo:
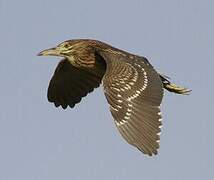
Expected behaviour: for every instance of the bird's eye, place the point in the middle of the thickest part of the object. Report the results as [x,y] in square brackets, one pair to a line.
[66,45]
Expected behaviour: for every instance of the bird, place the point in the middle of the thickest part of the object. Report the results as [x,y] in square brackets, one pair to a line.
[133,87]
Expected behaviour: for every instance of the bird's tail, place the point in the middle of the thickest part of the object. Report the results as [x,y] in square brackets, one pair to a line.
[173,87]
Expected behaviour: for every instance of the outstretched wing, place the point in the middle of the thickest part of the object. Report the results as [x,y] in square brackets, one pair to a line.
[69,84]
[134,91]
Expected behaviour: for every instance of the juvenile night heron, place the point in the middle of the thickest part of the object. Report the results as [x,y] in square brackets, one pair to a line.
[133,88]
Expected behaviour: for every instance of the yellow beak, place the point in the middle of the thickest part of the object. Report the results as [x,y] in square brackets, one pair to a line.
[50,52]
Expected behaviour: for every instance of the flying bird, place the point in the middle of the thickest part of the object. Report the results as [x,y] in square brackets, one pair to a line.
[132,86]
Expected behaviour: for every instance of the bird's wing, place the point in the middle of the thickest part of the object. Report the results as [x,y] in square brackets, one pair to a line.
[134,91]
[69,84]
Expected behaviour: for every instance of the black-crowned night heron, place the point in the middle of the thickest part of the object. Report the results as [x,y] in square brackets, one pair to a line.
[133,88]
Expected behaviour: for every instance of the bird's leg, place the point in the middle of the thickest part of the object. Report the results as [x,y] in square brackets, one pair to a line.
[173,87]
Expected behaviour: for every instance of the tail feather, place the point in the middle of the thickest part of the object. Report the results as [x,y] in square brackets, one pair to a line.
[173,87]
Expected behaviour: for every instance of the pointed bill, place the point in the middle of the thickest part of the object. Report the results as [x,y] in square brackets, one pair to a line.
[50,52]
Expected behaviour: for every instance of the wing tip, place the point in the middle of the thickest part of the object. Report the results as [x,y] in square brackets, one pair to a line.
[152,153]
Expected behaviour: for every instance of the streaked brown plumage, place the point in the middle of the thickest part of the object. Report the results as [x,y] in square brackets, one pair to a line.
[133,88]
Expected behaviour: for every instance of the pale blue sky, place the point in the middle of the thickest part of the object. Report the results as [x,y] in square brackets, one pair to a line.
[41,142]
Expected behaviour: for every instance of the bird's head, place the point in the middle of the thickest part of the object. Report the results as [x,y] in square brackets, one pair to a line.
[76,51]
[64,49]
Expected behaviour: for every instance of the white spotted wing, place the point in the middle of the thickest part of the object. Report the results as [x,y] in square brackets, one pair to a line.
[134,92]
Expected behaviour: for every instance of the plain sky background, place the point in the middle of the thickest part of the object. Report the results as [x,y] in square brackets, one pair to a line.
[41,142]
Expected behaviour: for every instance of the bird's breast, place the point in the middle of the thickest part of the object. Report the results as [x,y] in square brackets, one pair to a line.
[82,61]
